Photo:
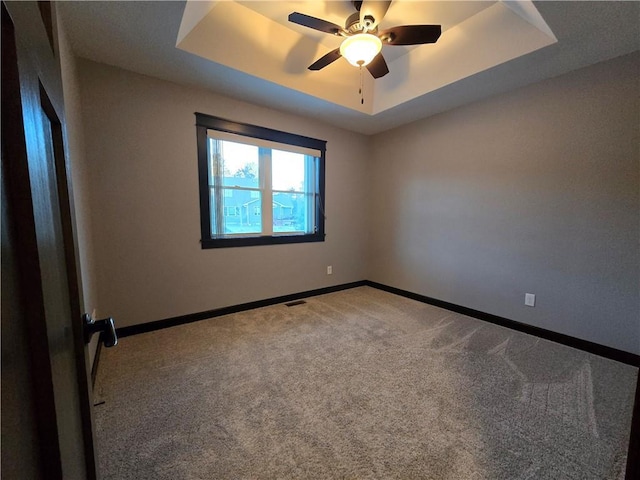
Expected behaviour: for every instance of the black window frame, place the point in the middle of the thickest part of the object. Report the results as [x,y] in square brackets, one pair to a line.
[206,122]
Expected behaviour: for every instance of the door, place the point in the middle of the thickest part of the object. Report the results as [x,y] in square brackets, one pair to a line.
[46,391]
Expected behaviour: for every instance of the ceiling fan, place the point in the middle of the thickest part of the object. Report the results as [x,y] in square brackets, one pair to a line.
[363,42]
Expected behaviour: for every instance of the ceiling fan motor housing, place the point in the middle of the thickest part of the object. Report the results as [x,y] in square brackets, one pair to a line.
[353,25]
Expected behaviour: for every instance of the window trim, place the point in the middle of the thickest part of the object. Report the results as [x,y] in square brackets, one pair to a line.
[207,122]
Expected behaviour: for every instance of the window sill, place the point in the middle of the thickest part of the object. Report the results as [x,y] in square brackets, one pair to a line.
[262,240]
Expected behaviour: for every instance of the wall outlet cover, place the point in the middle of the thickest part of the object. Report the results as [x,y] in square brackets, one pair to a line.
[529,299]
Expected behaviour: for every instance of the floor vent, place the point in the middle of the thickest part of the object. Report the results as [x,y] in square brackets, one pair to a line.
[297,302]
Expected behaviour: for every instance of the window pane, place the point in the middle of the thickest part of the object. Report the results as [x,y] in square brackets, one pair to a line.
[287,171]
[292,212]
[240,165]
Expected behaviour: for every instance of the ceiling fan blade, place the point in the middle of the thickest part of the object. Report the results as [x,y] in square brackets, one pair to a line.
[410,34]
[378,66]
[375,10]
[315,23]
[322,62]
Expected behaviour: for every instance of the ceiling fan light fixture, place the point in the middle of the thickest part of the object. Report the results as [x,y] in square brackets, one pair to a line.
[360,49]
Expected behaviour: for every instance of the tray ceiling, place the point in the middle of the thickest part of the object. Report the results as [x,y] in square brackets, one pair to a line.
[256,38]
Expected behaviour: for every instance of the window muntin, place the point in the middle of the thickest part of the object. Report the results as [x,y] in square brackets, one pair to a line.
[258,186]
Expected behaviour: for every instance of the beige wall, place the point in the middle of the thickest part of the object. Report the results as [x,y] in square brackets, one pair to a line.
[140,144]
[531,191]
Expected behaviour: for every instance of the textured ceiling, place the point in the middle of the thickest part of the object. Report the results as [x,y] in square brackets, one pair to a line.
[248,50]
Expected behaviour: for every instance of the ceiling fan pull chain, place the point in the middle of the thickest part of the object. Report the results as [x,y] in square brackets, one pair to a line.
[360,89]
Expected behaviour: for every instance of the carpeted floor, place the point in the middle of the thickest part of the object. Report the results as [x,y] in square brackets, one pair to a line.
[358,384]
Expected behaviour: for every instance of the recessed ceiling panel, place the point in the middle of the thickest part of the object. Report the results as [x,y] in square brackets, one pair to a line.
[256,38]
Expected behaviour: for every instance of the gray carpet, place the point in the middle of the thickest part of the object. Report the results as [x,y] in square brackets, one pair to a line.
[358,384]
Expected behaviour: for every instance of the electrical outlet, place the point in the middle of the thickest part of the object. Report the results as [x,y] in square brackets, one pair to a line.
[329,270]
[529,299]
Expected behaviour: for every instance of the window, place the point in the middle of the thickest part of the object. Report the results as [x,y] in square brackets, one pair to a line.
[231,211]
[258,186]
